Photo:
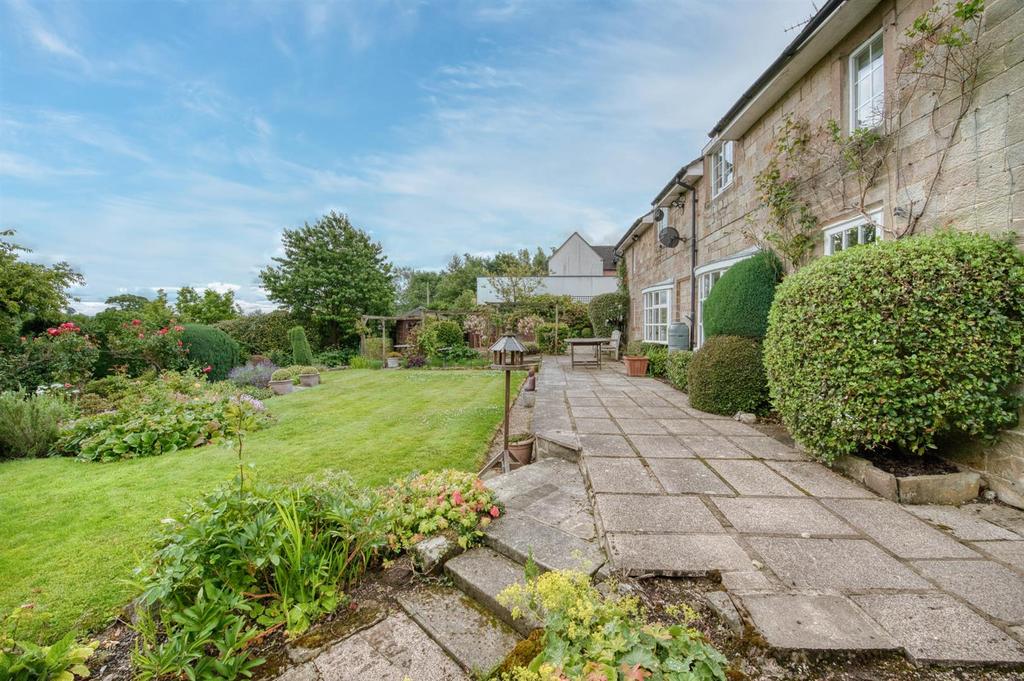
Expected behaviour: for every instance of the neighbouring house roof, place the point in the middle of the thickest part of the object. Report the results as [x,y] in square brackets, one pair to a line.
[607,254]
[821,33]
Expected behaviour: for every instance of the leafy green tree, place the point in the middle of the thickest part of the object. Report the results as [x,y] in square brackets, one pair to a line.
[209,308]
[331,273]
[31,291]
[418,288]
[128,302]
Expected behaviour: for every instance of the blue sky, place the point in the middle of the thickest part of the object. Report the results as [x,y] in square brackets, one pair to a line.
[160,144]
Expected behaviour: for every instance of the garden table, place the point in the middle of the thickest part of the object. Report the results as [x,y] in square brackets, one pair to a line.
[596,343]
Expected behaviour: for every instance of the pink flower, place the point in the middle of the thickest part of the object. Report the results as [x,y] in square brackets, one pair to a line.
[180,344]
[494,512]
[67,385]
[207,369]
[179,327]
[136,322]
[457,498]
[142,335]
[162,332]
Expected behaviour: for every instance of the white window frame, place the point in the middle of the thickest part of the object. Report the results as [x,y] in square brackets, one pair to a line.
[845,227]
[854,83]
[663,223]
[719,181]
[707,276]
[654,330]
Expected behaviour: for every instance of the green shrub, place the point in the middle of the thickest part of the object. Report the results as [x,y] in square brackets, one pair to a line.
[546,338]
[283,374]
[308,371]
[22,660]
[360,362]
[586,332]
[29,424]
[678,367]
[302,354]
[608,312]
[435,335]
[262,333]
[589,635]
[335,358]
[208,346]
[448,501]
[726,376]
[374,349]
[739,302]
[635,349]
[899,343]
[657,359]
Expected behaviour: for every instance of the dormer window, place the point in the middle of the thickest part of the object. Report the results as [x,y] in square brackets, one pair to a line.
[721,168]
[867,84]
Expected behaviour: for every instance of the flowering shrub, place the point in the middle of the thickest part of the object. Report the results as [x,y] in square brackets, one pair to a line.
[445,501]
[415,361]
[527,325]
[591,636]
[137,346]
[63,354]
[252,374]
[30,423]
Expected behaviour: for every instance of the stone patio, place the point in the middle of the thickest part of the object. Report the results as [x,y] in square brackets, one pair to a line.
[813,560]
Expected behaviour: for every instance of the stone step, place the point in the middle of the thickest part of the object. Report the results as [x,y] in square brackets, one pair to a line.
[473,637]
[483,574]
[521,538]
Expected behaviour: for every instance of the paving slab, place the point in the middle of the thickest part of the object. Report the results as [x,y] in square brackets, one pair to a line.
[660,447]
[686,426]
[714,447]
[845,565]
[607,474]
[628,411]
[1011,552]
[566,510]
[819,481]
[731,427]
[519,538]
[394,650]
[754,478]
[687,476]
[961,524]
[589,412]
[584,402]
[676,555]
[640,513]
[815,621]
[936,628]
[900,532]
[990,587]
[605,445]
[640,426]
[765,447]
[483,574]
[664,413]
[606,426]
[999,514]
[747,580]
[803,516]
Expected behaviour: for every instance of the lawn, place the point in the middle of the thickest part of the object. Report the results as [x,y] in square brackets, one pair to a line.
[72,532]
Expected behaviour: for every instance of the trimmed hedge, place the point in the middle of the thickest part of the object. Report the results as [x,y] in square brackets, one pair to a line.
[727,376]
[677,368]
[608,312]
[899,343]
[546,338]
[739,302]
[301,352]
[261,333]
[209,346]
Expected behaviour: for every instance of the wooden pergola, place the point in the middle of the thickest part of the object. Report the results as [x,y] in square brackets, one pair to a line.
[418,315]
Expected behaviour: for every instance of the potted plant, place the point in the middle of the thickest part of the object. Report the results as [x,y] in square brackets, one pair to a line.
[393,358]
[520,446]
[636,360]
[281,381]
[309,376]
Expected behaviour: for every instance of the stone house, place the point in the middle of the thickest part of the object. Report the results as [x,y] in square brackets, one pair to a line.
[847,65]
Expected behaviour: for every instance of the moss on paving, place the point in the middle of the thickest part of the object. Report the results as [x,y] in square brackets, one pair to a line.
[72,532]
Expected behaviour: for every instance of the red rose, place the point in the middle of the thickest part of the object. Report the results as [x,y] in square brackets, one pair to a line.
[180,344]
[136,322]
[179,327]
[67,385]
[207,369]
[162,332]
[494,512]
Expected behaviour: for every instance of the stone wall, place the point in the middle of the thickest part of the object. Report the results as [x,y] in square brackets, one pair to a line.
[980,188]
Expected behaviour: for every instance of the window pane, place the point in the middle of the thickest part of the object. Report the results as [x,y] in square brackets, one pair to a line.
[850,237]
[836,242]
[867,234]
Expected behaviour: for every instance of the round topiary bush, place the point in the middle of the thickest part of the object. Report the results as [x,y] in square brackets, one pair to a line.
[739,302]
[726,375]
[608,312]
[896,344]
[209,346]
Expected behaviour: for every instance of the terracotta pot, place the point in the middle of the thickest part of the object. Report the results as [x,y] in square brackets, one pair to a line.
[392,362]
[281,387]
[636,366]
[309,380]
[522,451]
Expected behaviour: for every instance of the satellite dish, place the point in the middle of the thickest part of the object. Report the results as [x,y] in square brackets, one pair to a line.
[659,214]
[669,237]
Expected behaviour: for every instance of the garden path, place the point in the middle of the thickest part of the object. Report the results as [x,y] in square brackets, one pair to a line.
[811,559]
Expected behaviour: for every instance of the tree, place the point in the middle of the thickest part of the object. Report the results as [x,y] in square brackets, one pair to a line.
[331,273]
[418,288]
[209,308]
[515,283]
[127,302]
[31,291]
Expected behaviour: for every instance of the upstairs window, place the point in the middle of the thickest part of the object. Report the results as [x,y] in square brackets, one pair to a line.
[721,168]
[867,84]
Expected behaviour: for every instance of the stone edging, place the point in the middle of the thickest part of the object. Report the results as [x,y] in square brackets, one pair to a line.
[946,489]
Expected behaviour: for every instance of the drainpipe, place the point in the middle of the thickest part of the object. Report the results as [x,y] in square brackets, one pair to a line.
[693,260]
